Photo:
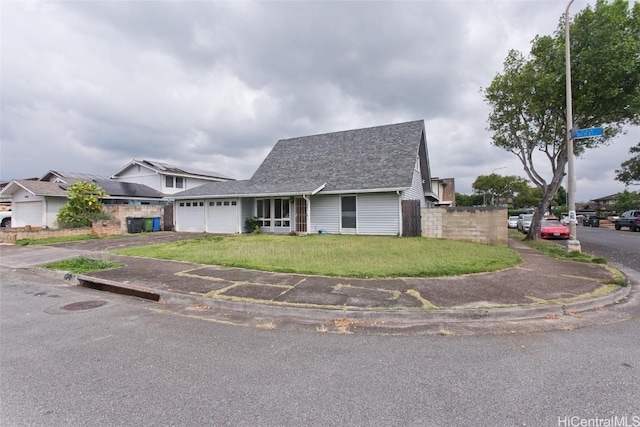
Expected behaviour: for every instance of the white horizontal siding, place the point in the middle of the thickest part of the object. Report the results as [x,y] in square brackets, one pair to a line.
[378,214]
[416,192]
[325,214]
[141,175]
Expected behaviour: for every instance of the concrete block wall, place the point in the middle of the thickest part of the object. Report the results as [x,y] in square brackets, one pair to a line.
[431,222]
[475,224]
[121,212]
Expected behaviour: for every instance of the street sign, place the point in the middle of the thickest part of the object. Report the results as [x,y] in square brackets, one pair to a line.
[587,133]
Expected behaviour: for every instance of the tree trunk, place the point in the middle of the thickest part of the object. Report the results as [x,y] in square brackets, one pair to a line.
[548,194]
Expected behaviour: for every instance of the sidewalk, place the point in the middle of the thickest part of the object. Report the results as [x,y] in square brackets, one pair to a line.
[541,287]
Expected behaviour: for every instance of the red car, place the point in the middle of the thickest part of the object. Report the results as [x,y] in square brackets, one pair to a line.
[553,230]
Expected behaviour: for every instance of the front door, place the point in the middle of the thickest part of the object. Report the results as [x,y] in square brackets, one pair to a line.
[301,215]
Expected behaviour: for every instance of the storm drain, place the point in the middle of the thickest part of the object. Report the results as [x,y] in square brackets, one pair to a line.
[83,305]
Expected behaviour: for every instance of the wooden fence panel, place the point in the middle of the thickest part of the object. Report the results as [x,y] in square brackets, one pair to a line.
[411,218]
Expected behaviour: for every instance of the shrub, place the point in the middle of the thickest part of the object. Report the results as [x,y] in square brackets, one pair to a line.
[83,206]
[252,225]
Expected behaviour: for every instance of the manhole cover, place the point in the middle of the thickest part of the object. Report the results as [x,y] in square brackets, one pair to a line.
[83,305]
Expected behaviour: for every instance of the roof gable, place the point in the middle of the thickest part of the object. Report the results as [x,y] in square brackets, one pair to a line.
[37,188]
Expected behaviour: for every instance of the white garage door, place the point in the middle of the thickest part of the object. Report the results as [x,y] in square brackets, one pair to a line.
[190,215]
[27,213]
[222,216]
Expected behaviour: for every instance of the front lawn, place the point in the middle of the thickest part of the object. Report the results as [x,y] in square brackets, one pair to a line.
[335,255]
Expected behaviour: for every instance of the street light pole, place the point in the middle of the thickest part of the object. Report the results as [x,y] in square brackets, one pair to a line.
[573,245]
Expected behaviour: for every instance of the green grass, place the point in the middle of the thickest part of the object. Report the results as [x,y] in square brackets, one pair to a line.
[26,242]
[82,265]
[554,250]
[334,255]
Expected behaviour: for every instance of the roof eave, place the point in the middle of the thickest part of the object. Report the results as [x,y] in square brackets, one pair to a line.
[227,196]
[127,166]
[368,190]
[125,196]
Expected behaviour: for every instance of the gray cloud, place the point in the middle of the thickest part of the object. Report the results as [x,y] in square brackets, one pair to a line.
[87,86]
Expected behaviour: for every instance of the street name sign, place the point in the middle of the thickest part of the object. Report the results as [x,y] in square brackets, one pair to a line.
[587,133]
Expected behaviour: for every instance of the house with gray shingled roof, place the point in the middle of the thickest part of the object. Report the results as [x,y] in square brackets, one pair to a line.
[165,178]
[349,182]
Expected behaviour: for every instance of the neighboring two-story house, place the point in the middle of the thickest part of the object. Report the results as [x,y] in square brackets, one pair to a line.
[165,178]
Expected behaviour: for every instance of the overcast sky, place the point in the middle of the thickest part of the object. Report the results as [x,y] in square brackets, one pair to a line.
[87,86]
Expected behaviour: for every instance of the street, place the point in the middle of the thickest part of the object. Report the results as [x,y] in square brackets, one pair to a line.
[618,247]
[114,360]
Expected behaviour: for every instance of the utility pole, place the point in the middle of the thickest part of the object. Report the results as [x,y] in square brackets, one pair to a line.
[573,245]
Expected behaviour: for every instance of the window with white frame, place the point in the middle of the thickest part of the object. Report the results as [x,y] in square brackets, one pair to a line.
[174,181]
[348,211]
[281,213]
[263,212]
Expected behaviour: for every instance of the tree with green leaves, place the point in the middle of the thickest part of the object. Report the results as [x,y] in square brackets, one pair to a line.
[629,173]
[527,197]
[528,100]
[498,189]
[627,200]
[468,199]
[83,206]
[561,197]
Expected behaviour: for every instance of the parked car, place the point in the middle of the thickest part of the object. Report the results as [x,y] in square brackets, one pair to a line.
[5,219]
[553,230]
[512,222]
[629,219]
[564,218]
[591,221]
[524,222]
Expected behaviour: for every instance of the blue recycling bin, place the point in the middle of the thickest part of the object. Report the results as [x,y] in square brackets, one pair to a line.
[156,223]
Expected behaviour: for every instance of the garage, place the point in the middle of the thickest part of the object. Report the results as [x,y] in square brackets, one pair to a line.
[190,215]
[27,213]
[222,216]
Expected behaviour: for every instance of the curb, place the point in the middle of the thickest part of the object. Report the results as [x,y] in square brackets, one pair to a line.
[385,317]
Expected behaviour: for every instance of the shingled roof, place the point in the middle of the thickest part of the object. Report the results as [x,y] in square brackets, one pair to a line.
[376,158]
[37,188]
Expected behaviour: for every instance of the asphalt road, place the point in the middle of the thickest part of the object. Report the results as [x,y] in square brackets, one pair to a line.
[129,362]
[621,247]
